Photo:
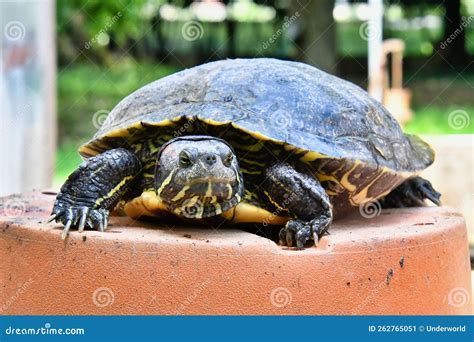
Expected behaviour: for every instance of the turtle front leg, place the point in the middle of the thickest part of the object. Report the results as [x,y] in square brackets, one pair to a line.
[94,189]
[303,198]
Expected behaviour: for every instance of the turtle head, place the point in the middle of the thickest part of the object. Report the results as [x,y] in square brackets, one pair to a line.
[198,176]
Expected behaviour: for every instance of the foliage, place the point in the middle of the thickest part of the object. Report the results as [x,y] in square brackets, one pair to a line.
[85,89]
[88,27]
[436,120]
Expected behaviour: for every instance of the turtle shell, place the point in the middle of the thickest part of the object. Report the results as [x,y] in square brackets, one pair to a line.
[353,140]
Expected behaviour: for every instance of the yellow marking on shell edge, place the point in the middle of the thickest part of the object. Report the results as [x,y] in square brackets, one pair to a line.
[249,213]
[180,194]
[361,196]
[124,132]
[311,156]
[345,178]
[256,135]
[213,122]
[322,177]
[85,150]
[114,190]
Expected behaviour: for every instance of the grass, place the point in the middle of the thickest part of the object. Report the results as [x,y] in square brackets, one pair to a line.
[447,120]
[85,89]
[67,160]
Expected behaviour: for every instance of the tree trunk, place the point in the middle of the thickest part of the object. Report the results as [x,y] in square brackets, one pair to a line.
[453,45]
[316,40]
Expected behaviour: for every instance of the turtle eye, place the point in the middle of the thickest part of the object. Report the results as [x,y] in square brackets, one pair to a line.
[228,159]
[184,160]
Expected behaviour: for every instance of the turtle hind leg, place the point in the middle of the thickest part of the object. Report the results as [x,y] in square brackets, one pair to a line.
[411,193]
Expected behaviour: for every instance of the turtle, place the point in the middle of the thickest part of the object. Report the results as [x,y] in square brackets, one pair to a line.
[246,141]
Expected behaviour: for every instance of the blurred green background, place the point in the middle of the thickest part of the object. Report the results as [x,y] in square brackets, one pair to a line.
[108,49]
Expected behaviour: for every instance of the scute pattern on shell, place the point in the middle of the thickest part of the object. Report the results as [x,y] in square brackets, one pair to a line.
[286,101]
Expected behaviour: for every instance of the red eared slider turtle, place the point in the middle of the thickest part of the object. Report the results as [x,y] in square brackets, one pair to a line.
[249,140]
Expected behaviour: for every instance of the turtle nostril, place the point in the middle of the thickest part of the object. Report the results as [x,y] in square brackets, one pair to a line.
[210,159]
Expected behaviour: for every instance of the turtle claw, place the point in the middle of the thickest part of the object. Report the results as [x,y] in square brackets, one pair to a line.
[79,217]
[66,230]
[297,233]
[106,223]
[51,218]
[411,193]
[427,191]
[101,227]
[82,221]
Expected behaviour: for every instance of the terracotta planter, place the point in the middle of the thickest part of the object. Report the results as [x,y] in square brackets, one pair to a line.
[410,261]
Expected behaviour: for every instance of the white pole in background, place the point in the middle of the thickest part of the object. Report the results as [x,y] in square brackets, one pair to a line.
[374,35]
[27,95]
